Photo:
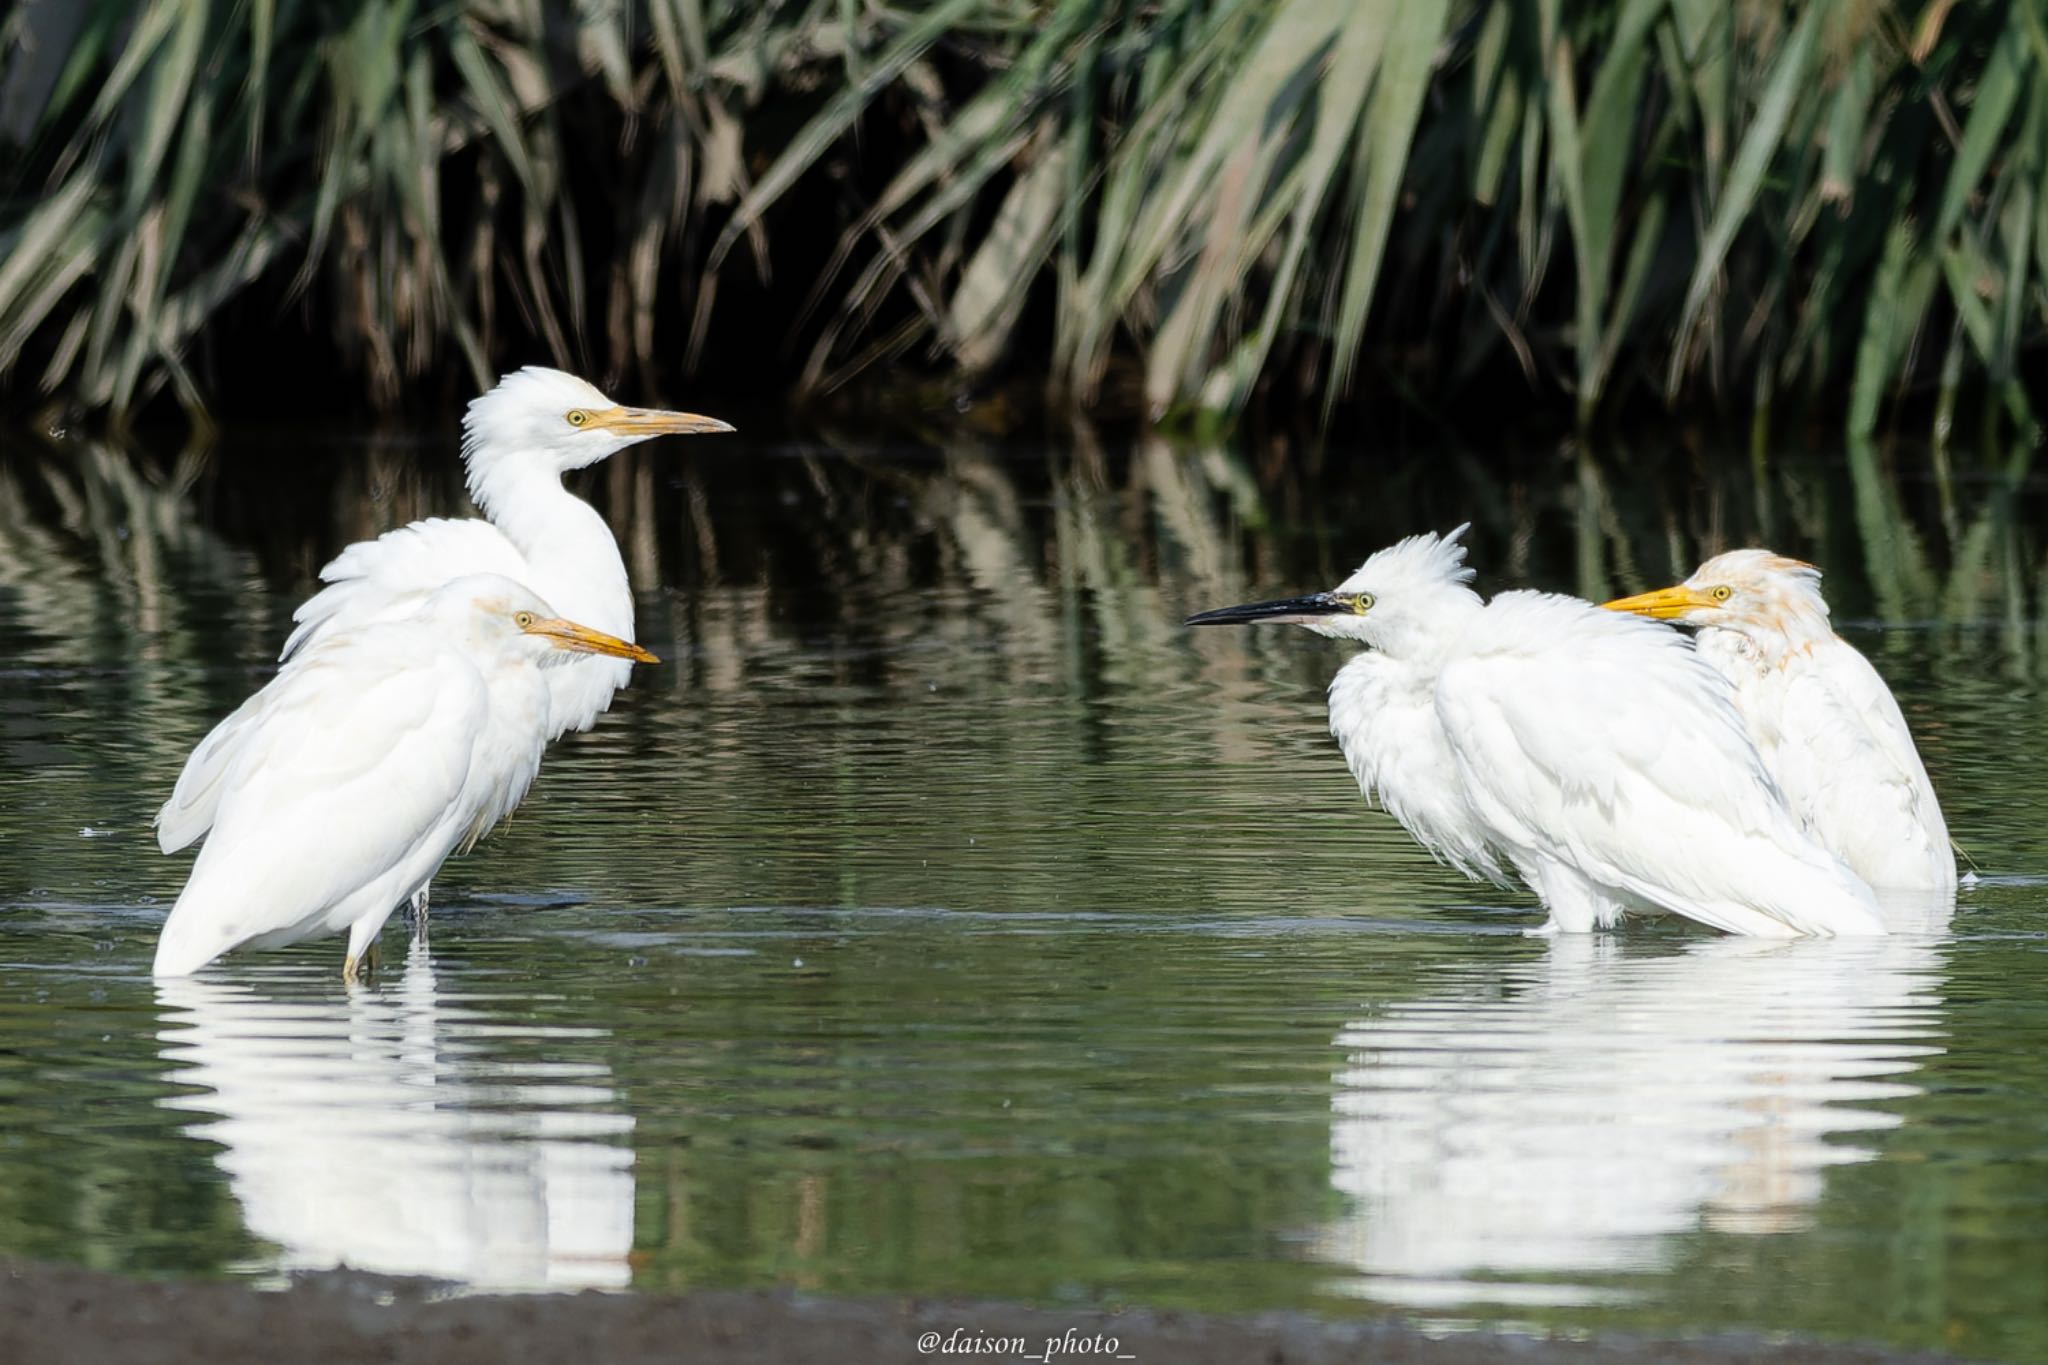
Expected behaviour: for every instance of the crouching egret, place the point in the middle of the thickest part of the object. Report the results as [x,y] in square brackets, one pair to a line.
[1586,750]
[1829,730]
[364,765]
[518,441]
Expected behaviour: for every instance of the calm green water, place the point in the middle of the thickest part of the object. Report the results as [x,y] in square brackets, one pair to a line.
[941,917]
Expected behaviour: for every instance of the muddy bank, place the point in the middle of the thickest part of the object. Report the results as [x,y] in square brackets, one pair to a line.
[51,1313]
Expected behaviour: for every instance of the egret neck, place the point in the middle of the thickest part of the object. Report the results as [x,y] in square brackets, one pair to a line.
[574,557]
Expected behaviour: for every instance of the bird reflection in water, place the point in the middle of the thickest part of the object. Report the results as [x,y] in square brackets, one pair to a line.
[402,1132]
[1531,1137]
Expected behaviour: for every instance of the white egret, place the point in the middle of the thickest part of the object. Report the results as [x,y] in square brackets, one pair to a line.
[518,441]
[364,765]
[1829,730]
[1593,754]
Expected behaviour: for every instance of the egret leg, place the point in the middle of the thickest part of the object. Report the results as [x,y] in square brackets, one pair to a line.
[417,907]
[1575,904]
[362,949]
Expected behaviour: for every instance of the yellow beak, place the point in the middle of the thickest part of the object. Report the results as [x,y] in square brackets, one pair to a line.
[583,640]
[644,422]
[1665,604]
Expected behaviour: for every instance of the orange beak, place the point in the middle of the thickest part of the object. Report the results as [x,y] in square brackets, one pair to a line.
[1665,604]
[641,423]
[583,640]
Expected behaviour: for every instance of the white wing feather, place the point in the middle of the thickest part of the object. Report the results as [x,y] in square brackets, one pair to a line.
[385,579]
[356,762]
[389,577]
[577,572]
[1394,743]
[190,810]
[1565,724]
[1834,739]
[1850,769]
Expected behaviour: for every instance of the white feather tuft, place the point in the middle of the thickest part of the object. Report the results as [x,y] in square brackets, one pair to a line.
[1416,561]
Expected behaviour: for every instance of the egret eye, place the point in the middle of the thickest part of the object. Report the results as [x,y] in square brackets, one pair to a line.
[524,620]
[1361,604]
[578,417]
[1722,593]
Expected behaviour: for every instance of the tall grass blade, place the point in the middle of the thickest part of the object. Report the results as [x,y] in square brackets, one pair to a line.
[1746,177]
[1389,131]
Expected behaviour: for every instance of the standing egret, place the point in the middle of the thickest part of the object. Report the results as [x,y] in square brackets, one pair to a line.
[360,768]
[518,441]
[1593,754]
[1828,728]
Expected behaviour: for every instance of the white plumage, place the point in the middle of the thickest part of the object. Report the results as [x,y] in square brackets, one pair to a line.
[518,441]
[1829,730]
[1586,751]
[359,769]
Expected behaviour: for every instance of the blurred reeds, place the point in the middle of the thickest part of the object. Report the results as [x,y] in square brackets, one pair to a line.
[1191,205]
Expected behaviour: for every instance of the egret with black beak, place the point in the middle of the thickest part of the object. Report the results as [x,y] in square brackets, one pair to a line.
[1592,754]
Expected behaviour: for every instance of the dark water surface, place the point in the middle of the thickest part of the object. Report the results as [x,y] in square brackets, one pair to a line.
[942,917]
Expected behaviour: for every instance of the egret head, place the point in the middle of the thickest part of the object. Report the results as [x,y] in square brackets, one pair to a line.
[1743,590]
[1412,593]
[495,612]
[553,422]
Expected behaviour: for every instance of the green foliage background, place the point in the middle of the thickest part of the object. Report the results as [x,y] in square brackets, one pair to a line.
[1186,205]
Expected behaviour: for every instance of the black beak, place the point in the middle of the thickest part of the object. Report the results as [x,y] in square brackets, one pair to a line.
[1294,609]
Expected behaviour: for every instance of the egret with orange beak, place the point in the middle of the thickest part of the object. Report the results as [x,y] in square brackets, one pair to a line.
[518,441]
[1829,730]
[384,748]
